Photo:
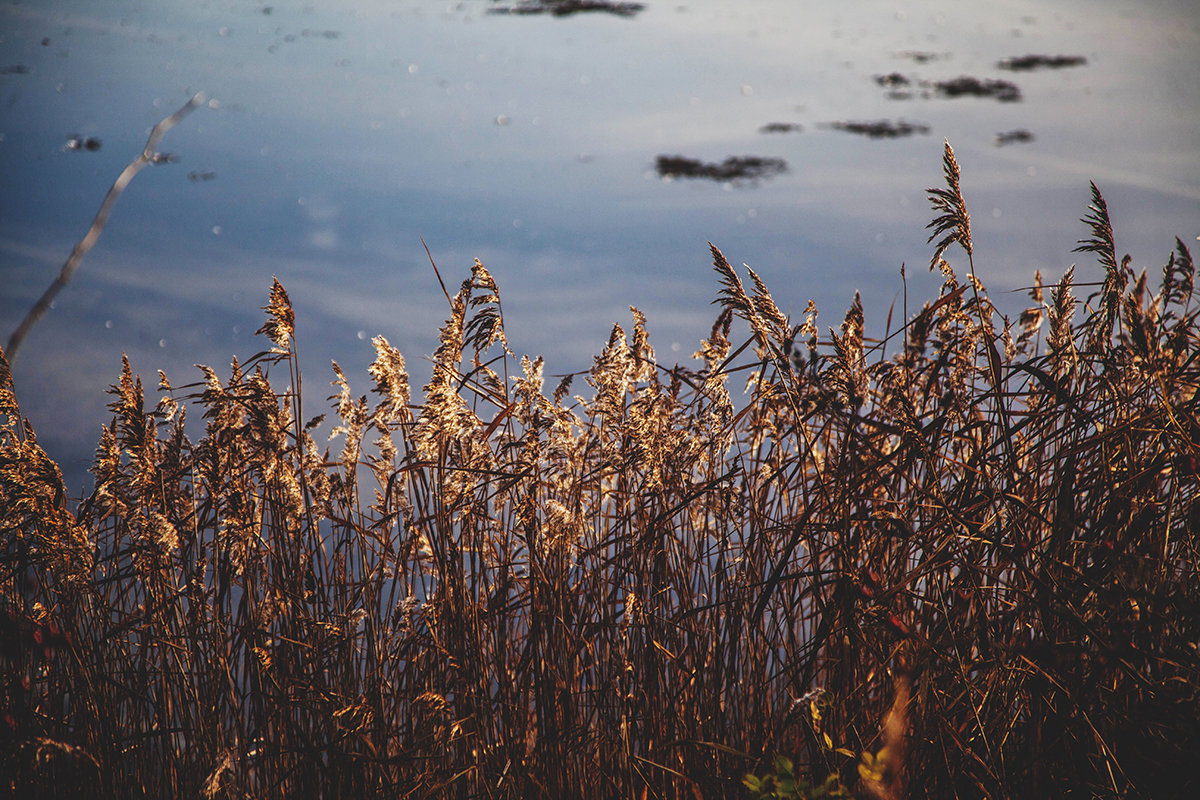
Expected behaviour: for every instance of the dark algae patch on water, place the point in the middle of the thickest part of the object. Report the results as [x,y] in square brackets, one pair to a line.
[1032,62]
[781,127]
[967,86]
[734,168]
[881,129]
[899,86]
[892,80]
[566,8]
[1018,136]
[921,56]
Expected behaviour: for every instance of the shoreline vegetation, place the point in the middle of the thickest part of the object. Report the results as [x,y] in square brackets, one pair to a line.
[958,562]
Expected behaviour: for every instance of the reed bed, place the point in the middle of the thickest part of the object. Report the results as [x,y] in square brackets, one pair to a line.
[957,562]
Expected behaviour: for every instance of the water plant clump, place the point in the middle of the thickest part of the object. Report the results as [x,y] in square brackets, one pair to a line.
[960,561]
[970,86]
[781,127]
[1034,61]
[1016,136]
[733,169]
[567,8]
[881,129]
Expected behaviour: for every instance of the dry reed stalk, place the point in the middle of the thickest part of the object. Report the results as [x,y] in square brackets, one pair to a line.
[149,155]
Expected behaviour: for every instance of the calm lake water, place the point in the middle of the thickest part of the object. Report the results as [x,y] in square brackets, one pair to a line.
[337,134]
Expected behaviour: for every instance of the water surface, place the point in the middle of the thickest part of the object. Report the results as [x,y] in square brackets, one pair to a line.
[338,134]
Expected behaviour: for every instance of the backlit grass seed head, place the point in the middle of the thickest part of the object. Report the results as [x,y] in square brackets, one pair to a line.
[446,419]
[734,297]
[1116,276]
[168,407]
[562,528]
[280,325]
[1101,242]
[238,527]
[715,348]
[1032,318]
[768,311]
[848,355]
[1061,341]
[354,418]
[954,221]
[32,510]
[316,477]
[10,412]
[268,423]
[391,383]
[642,352]
[612,374]
[215,783]
[530,386]
[808,330]
[486,326]
[1179,275]
[156,530]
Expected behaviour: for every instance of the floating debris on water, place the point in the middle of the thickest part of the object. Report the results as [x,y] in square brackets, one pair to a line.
[893,80]
[1013,137]
[565,8]
[201,176]
[883,129]
[14,69]
[920,56]
[734,169]
[1031,62]
[967,86]
[781,127]
[90,143]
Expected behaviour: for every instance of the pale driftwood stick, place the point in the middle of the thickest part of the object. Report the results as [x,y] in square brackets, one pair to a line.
[149,155]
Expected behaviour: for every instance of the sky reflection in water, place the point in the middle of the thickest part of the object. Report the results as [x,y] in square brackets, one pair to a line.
[341,133]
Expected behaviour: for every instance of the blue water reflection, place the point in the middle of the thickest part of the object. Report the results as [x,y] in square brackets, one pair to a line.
[341,133]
